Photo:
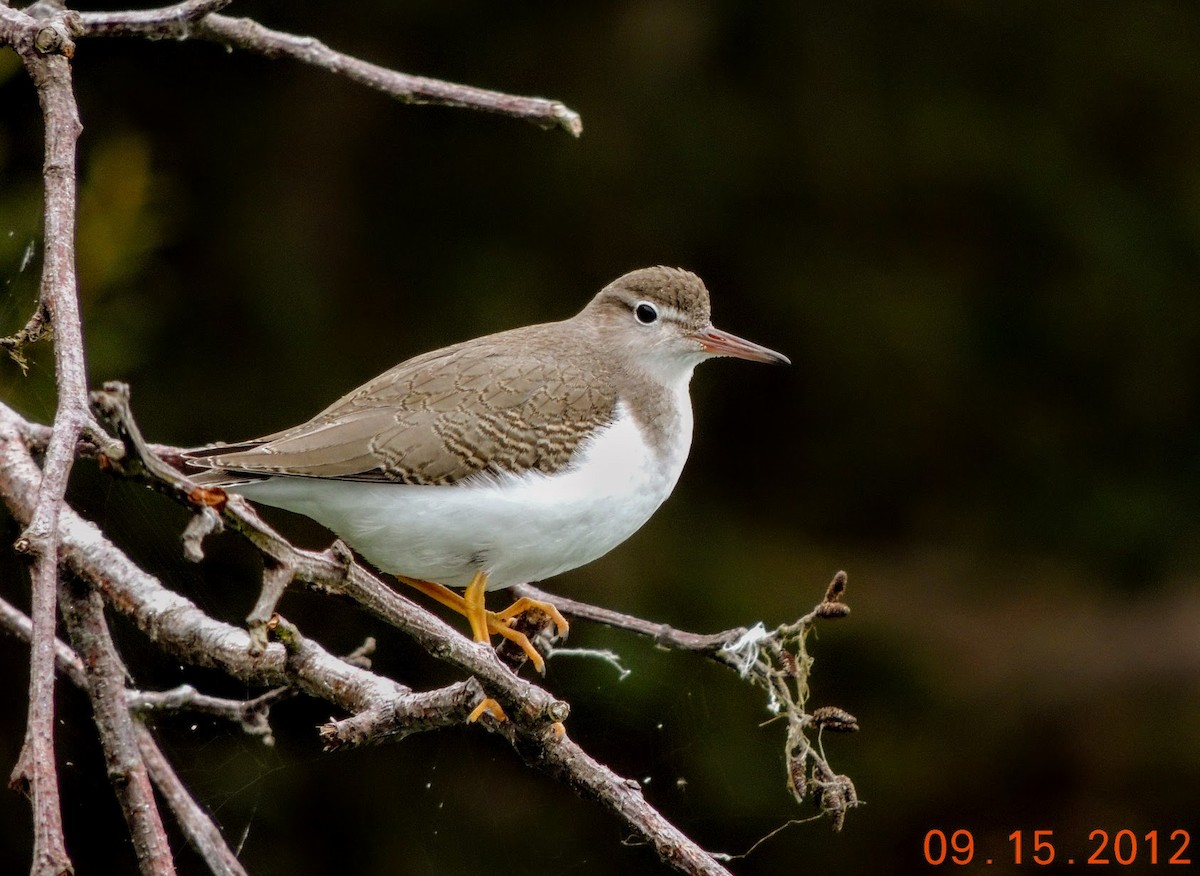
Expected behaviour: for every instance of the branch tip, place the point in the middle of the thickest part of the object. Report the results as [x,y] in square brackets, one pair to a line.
[202,524]
[837,587]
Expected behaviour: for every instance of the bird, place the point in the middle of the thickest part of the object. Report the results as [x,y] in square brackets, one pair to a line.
[505,459]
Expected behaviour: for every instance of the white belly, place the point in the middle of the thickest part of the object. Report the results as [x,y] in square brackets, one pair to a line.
[517,529]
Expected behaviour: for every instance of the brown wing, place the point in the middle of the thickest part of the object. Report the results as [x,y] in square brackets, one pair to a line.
[492,406]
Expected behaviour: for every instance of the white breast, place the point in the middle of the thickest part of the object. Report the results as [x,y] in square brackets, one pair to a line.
[517,528]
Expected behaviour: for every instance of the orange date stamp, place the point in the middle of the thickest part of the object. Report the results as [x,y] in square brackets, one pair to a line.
[1041,847]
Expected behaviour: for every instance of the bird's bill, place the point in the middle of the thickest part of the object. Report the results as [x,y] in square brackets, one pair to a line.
[718,343]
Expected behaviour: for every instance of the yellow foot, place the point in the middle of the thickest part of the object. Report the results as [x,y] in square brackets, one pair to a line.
[501,623]
[486,623]
[491,707]
[525,604]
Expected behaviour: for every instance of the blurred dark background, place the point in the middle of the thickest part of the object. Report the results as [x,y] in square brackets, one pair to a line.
[975,228]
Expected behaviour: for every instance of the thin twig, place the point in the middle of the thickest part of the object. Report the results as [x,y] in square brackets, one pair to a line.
[66,661]
[708,644]
[276,578]
[252,715]
[188,20]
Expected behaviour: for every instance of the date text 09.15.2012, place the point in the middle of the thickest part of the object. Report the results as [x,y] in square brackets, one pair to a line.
[1122,847]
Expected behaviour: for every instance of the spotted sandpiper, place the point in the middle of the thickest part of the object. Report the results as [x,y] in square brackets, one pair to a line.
[505,459]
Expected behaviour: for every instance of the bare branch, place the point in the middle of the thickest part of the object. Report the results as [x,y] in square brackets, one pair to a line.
[84,614]
[564,760]
[165,22]
[17,29]
[276,578]
[444,708]
[202,833]
[251,715]
[174,622]
[44,48]
[569,763]
[203,523]
[190,20]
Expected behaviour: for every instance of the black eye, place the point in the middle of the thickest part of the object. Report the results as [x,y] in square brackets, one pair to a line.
[645,313]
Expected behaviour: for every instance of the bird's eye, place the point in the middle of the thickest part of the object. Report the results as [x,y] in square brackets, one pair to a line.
[645,313]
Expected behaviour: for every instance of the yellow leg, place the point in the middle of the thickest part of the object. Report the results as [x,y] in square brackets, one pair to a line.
[476,611]
[444,595]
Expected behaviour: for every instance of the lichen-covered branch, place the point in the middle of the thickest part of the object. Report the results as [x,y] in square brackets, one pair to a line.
[776,661]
